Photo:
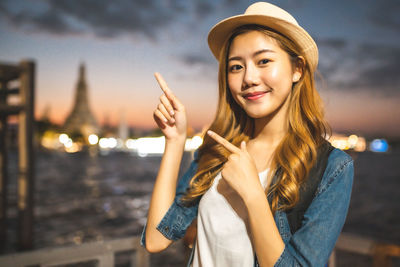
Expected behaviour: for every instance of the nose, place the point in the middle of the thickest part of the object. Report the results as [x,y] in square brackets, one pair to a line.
[251,76]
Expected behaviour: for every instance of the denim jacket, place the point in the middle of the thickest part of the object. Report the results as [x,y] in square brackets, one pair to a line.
[312,244]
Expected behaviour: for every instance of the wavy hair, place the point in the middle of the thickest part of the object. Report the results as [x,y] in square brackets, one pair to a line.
[297,151]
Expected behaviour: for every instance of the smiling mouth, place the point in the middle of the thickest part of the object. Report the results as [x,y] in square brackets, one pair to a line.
[255,95]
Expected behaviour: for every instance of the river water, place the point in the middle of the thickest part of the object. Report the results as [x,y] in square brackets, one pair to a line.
[80,198]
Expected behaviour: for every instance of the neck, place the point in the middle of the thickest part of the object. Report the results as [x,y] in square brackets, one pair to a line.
[270,130]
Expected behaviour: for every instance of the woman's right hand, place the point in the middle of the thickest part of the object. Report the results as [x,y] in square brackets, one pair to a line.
[170,114]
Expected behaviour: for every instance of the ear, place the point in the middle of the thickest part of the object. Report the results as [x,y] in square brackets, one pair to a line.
[298,69]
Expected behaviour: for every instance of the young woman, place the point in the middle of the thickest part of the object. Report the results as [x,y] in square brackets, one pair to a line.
[257,157]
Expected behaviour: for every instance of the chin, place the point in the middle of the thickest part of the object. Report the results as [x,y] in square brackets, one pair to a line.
[257,115]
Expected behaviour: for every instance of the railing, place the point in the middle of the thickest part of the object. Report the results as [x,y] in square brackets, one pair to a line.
[381,253]
[104,253]
[101,252]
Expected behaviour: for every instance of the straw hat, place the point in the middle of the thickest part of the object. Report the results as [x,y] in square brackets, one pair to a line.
[271,16]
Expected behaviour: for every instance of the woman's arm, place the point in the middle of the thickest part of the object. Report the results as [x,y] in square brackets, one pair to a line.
[313,243]
[264,233]
[163,195]
[170,116]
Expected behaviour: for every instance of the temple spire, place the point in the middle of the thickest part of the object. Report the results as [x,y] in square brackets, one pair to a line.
[82,72]
[81,119]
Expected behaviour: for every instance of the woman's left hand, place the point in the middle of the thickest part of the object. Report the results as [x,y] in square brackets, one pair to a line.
[239,171]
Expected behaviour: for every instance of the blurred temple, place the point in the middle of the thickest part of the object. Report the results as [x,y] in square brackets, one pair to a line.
[81,121]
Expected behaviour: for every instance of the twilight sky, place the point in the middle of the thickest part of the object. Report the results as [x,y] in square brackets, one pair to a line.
[123,42]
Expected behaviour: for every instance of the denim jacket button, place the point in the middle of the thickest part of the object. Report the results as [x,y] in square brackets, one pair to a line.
[166,228]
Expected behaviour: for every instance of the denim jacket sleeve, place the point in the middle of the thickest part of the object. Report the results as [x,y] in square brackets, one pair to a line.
[178,217]
[313,243]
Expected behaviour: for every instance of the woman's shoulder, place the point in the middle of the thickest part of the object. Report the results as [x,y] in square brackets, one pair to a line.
[339,169]
[338,158]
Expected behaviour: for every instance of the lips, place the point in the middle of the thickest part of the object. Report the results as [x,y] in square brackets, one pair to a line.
[255,95]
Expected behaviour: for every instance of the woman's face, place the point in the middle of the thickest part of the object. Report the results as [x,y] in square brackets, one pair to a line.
[260,74]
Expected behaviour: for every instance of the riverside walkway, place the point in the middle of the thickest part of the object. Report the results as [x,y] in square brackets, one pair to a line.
[103,253]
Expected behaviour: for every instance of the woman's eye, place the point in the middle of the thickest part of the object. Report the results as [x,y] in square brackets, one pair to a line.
[235,67]
[263,61]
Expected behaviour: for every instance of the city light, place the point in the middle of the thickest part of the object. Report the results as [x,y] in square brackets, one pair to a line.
[379,145]
[155,145]
[120,144]
[68,143]
[93,139]
[150,145]
[108,143]
[194,143]
[72,147]
[130,144]
[50,140]
[354,142]
[63,138]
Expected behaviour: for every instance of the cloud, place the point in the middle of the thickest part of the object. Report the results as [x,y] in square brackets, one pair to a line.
[203,8]
[334,43]
[105,19]
[360,66]
[385,14]
[384,72]
[196,59]
[33,21]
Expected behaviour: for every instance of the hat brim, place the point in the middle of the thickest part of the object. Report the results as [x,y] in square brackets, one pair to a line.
[219,34]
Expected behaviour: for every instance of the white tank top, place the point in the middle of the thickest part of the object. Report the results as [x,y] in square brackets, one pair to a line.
[222,225]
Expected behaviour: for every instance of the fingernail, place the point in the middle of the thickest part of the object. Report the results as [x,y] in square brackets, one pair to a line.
[172,113]
[209,132]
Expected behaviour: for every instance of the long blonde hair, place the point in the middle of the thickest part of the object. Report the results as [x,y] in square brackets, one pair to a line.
[296,153]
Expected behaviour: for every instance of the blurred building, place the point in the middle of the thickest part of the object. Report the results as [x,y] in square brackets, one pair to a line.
[81,122]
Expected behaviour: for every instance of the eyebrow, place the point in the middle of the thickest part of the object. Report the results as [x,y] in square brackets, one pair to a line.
[255,54]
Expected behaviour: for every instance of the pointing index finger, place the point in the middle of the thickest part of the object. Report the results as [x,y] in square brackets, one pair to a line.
[219,139]
[162,84]
[176,104]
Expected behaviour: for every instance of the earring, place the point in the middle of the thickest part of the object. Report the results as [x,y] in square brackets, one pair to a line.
[296,77]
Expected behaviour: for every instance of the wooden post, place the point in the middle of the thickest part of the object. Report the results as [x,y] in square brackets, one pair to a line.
[3,168]
[26,157]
